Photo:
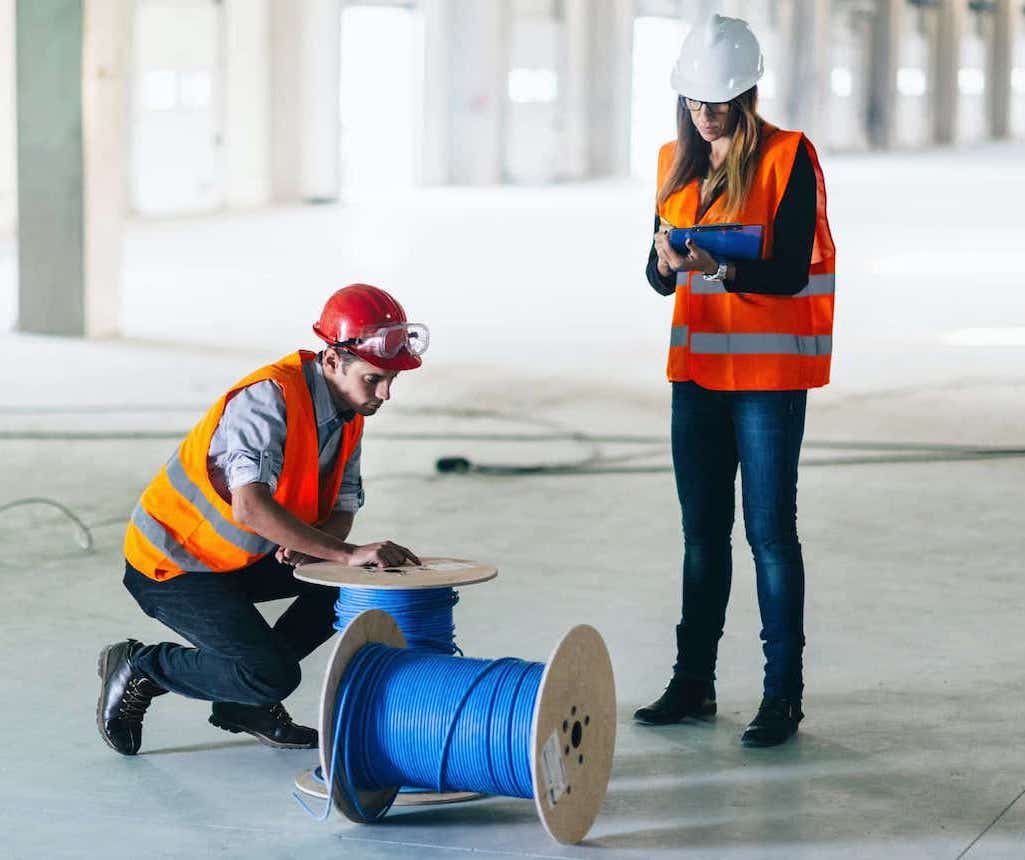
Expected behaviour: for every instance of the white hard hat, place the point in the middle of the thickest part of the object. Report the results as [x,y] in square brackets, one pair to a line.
[718,61]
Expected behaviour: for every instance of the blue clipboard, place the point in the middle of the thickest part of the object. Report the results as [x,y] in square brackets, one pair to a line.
[722,241]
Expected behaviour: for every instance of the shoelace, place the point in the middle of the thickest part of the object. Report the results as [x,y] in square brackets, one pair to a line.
[135,701]
[280,714]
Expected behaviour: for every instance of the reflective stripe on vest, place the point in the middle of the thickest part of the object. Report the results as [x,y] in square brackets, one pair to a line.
[818,285]
[246,541]
[183,524]
[172,550]
[678,335]
[760,344]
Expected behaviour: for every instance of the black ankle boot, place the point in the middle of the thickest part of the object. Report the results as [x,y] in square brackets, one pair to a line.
[125,694]
[684,698]
[775,722]
[269,724]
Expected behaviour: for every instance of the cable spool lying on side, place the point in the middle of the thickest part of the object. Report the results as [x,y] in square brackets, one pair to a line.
[420,599]
[392,716]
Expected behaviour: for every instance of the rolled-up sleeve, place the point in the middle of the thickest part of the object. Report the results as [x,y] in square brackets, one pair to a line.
[253,425]
[350,493]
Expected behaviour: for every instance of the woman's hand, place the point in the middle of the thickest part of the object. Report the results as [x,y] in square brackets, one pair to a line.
[700,260]
[670,260]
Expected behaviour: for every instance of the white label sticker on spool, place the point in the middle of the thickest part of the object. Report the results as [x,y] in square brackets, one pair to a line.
[553,770]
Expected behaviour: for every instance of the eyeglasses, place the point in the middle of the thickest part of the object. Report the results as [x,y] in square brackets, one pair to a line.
[389,341]
[694,106]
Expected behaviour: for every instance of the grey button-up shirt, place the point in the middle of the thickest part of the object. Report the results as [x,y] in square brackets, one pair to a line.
[248,445]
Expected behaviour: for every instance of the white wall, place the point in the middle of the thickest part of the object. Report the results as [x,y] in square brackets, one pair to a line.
[177,107]
[222,153]
[8,147]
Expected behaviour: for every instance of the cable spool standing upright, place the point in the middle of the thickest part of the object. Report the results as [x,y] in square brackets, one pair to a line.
[370,586]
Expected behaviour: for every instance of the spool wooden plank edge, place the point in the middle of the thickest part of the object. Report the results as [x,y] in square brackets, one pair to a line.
[435,798]
[573,735]
[308,783]
[374,625]
[460,573]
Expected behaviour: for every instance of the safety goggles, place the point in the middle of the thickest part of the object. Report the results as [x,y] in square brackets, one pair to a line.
[388,341]
[714,108]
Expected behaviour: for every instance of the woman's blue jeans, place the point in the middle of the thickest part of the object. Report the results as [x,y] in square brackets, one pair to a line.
[712,433]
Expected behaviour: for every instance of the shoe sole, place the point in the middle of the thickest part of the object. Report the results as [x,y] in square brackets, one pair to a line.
[235,729]
[101,672]
[760,745]
[706,716]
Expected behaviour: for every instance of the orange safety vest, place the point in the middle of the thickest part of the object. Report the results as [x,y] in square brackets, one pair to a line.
[745,341]
[181,522]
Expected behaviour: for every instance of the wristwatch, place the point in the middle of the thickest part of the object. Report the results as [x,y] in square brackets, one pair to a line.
[719,274]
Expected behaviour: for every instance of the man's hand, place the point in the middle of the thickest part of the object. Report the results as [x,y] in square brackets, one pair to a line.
[293,557]
[253,506]
[381,554]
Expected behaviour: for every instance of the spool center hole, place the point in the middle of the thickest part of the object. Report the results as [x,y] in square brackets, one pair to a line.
[578,734]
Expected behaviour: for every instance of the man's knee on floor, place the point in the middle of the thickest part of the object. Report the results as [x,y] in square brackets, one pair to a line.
[270,680]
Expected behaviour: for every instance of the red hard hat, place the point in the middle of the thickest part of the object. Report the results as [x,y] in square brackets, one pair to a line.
[355,313]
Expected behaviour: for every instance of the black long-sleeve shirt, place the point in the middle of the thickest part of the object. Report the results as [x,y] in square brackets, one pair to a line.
[785,271]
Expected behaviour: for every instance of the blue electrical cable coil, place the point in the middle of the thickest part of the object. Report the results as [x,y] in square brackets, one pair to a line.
[434,722]
[393,716]
[424,615]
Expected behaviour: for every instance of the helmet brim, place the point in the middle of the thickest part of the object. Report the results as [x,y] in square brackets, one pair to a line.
[403,361]
[701,91]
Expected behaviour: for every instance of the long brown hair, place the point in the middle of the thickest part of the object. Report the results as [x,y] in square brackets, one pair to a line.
[692,160]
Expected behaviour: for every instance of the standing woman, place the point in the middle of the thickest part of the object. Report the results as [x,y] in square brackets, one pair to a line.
[748,338]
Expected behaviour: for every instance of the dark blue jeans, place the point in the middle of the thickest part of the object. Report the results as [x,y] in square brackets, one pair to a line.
[238,656]
[712,433]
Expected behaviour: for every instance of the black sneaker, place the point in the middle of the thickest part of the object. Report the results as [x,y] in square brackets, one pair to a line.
[775,722]
[684,698]
[269,724]
[124,696]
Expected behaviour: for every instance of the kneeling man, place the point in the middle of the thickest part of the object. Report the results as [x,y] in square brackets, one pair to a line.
[268,478]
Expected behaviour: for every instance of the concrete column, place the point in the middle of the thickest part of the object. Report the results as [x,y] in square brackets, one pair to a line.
[72,57]
[610,79]
[946,64]
[434,157]
[247,126]
[574,98]
[807,70]
[466,66]
[998,73]
[8,126]
[882,73]
[305,105]
[477,79]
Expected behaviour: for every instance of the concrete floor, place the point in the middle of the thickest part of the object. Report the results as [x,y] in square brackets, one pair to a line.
[916,663]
